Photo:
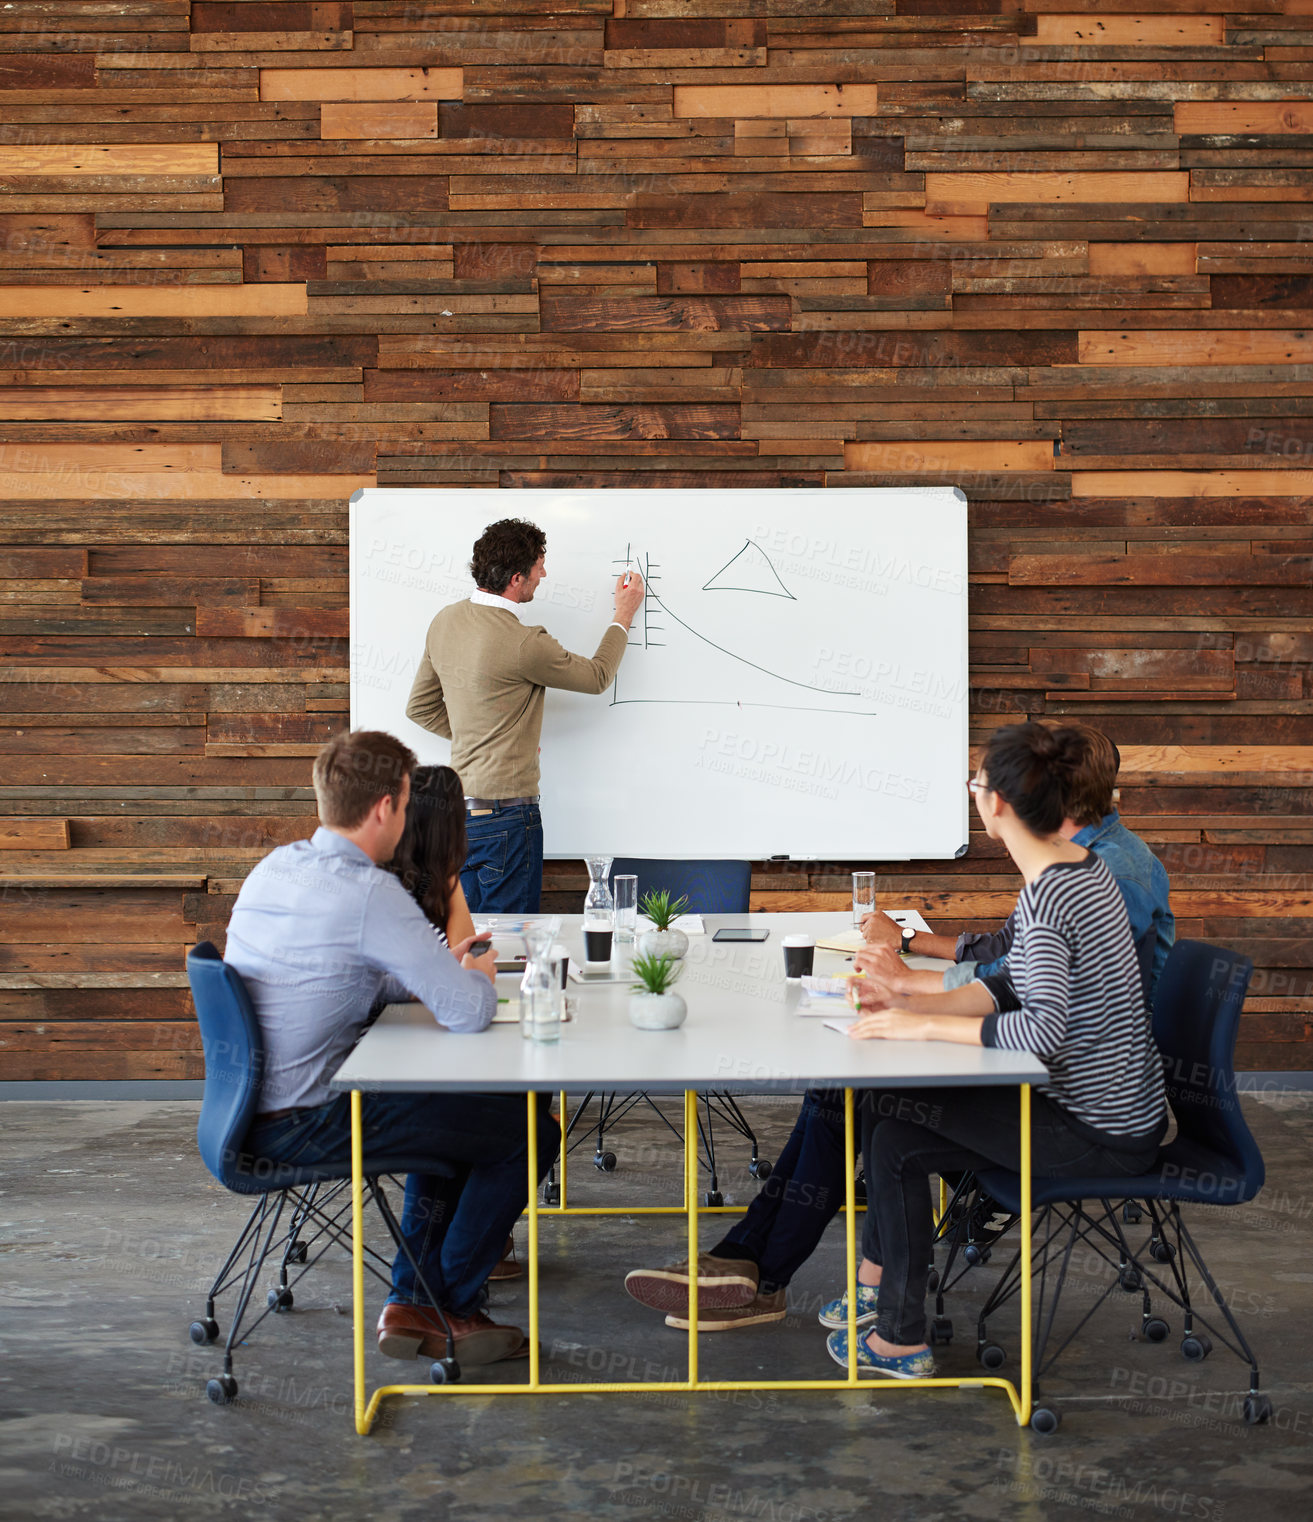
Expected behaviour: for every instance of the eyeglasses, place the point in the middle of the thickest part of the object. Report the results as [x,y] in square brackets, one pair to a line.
[976,786]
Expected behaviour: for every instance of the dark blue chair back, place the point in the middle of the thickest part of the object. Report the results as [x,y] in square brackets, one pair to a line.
[234,1056]
[711,887]
[1196,1019]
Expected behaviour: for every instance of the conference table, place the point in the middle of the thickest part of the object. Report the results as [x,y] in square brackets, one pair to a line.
[748,1030]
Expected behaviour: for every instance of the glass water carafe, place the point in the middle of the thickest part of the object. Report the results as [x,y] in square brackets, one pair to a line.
[540,987]
[599,906]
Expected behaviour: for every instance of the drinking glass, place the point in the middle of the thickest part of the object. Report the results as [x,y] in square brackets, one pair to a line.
[624,887]
[863,896]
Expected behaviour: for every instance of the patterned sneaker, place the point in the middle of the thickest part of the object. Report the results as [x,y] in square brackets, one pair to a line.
[835,1314]
[722,1282]
[906,1366]
[763,1311]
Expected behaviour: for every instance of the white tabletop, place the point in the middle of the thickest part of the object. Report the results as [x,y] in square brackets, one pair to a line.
[743,1032]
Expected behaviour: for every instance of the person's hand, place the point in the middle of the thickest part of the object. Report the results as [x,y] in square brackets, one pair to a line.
[879,930]
[884,965]
[887,1025]
[628,599]
[486,964]
[868,993]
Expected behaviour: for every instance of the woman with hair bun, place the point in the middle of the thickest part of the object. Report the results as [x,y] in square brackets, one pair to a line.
[1071,994]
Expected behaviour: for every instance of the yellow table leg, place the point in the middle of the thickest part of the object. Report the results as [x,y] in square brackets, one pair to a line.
[560,1161]
[1023,1414]
[358,1258]
[691,1204]
[533,1238]
[850,1218]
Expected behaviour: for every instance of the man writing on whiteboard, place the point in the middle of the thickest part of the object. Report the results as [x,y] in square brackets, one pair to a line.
[481,684]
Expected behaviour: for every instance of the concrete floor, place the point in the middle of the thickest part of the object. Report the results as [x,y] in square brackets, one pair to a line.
[111,1231]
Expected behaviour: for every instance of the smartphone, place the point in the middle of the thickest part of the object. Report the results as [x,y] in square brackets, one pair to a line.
[480,947]
[740,933]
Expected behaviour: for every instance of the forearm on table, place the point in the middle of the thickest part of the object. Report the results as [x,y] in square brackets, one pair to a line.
[966,1032]
[927,943]
[971,1000]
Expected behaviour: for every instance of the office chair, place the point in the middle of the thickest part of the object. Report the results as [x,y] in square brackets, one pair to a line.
[316,1199]
[1212,1160]
[711,887]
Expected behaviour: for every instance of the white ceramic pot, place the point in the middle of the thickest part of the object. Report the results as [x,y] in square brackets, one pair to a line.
[657,1012]
[659,943]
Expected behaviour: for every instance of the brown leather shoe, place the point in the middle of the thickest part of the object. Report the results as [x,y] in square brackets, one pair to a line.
[414,1331]
[509,1267]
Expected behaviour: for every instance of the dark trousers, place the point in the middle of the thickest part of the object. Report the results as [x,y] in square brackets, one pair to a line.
[908,1134]
[503,871]
[456,1227]
[785,1223]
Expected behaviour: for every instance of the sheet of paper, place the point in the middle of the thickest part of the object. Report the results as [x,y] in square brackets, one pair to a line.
[840,1023]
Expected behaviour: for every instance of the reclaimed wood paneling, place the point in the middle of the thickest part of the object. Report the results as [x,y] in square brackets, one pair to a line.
[257,253]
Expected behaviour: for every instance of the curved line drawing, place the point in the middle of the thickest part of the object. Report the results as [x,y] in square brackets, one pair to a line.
[749,544]
[765,670]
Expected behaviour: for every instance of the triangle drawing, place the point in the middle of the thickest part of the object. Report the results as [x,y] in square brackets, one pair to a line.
[749,571]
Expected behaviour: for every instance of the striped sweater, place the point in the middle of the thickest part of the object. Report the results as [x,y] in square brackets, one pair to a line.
[1072,994]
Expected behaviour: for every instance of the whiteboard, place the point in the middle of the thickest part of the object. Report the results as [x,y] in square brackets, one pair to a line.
[795,683]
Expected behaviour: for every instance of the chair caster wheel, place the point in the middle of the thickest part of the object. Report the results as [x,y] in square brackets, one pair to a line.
[1160,1251]
[604,1162]
[1044,1421]
[932,1281]
[941,1331]
[975,1255]
[1258,1409]
[279,1300]
[552,1194]
[297,1252]
[760,1169]
[1130,1281]
[713,1197]
[1196,1346]
[444,1371]
[206,1331]
[222,1390]
[1155,1329]
[1132,1214]
[990,1356]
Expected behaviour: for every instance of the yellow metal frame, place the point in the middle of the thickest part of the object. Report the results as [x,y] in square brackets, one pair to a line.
[366,1410]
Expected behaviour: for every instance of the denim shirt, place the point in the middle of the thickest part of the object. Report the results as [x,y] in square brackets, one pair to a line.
[1142,879]
[318,933]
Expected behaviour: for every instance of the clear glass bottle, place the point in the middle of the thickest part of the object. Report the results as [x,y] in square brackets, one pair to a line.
[540,987]
[599,906]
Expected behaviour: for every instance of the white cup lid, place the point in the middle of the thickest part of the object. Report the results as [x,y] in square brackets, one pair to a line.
[799,940]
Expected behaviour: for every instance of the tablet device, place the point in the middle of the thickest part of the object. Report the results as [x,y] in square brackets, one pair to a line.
[740,933]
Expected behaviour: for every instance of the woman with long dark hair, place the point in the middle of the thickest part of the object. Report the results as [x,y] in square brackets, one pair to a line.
[1071,994]
[432,851]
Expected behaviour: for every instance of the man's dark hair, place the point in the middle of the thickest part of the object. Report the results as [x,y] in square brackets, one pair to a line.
[354,770]
[1090,796]
[510,547]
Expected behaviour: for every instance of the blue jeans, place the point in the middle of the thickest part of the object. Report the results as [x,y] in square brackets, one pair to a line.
[457,1227]
[786,1221]
[503,871]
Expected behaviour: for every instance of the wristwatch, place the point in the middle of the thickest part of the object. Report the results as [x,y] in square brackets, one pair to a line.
[905,943]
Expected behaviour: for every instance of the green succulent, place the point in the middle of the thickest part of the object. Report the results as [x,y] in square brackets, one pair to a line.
[661,909]
[655,973]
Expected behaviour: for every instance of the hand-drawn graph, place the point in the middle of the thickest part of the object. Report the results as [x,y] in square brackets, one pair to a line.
[709,665]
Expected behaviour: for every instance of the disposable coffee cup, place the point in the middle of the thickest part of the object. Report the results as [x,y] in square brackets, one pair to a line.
[799,954]
[597,944]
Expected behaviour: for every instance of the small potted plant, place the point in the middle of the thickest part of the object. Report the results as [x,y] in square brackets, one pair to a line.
[663,939]
[652,1005]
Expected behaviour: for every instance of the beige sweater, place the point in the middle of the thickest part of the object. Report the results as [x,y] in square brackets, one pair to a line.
[481,684]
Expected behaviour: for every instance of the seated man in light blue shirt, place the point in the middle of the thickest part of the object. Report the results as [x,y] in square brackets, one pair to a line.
[319,931]
[1092,821]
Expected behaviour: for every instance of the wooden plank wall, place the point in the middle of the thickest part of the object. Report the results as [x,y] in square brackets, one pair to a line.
[256,253]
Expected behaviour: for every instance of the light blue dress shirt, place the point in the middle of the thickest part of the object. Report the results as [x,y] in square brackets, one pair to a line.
[318,932]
